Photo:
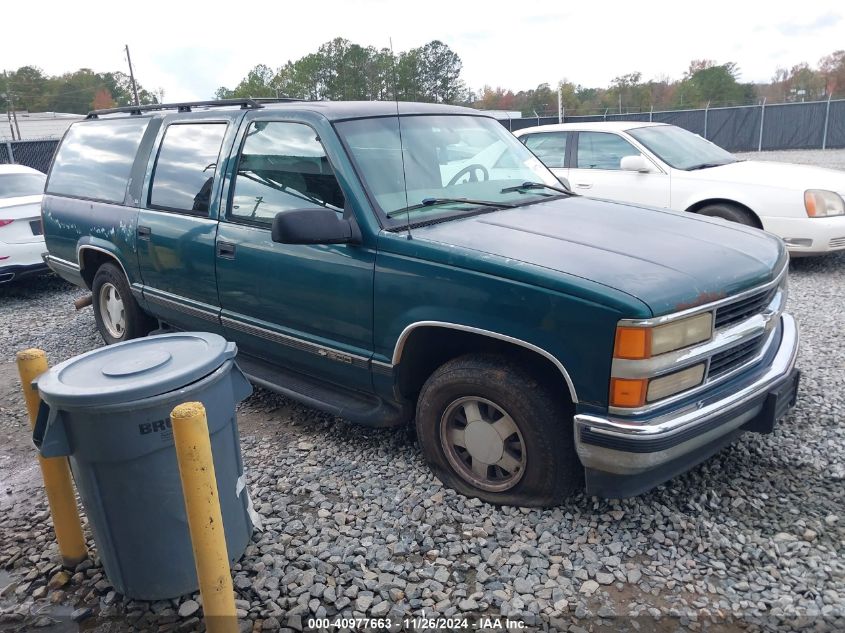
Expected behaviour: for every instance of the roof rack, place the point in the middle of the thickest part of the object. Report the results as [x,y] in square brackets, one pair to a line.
[245,104]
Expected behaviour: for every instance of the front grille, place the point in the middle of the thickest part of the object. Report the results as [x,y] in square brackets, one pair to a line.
[837,242]
[729,359]
[744,308]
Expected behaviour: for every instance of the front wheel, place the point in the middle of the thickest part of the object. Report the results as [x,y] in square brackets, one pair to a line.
[729,212]
[119,317]
[489,430]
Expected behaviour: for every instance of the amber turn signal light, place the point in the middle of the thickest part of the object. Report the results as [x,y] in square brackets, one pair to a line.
[632,343]
[627,392]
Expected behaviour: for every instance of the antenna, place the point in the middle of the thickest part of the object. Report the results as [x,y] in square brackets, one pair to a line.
[401,144]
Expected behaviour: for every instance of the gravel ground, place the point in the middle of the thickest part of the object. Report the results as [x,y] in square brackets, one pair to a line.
[832,158]
[354,523]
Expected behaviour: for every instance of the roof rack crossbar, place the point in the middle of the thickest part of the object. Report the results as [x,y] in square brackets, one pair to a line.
[245,104]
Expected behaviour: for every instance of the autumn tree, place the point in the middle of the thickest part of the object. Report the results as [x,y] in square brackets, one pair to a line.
[102,100]
[76,92]
[832,69]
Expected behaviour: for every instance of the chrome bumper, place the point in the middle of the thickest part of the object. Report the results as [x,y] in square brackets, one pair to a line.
[620,446]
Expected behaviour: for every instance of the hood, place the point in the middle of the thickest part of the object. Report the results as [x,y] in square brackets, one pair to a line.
[781,175]
[668,260]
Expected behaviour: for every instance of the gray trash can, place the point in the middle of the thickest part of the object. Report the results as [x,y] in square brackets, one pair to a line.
[109,411]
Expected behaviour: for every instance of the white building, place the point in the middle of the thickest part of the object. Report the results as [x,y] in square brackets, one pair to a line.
[36,125]
[504,115]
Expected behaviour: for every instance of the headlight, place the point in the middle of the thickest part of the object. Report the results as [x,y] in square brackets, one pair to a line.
[635,343]
[822,204]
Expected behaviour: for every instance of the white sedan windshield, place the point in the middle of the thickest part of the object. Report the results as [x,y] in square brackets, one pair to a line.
[681,149]
[419,162]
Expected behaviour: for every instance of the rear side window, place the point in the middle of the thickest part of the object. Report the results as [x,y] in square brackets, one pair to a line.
[549,147]
[95,159]
[283,166]
[184,171]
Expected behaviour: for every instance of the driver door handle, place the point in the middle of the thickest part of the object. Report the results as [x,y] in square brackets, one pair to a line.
[583,185]
[226,250]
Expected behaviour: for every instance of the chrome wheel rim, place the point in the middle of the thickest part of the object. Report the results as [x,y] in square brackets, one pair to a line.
[483,444]
[112,310]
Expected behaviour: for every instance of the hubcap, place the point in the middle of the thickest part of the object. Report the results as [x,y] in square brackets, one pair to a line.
[112,311]
[483,444]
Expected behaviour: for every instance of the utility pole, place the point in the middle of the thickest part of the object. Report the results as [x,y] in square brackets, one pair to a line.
[559,104]
[132,76]
[11,108]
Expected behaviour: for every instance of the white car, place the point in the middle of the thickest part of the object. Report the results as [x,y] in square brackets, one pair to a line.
[21,235]
[659,165]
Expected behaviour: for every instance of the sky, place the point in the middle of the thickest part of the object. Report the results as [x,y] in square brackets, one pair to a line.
[190,49]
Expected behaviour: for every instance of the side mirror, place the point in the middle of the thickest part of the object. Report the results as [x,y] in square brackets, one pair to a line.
[635,163]
[313,226]
[564,182]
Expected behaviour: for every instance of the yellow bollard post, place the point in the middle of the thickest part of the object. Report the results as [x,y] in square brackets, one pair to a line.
[205,520]
[66,523]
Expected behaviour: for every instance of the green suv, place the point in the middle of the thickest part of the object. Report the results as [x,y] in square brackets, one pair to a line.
[415,262]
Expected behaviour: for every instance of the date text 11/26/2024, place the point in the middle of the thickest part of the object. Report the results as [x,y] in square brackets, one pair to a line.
[418,623]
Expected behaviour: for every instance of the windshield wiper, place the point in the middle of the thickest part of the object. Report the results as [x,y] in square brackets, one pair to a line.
[535,185]
[433,202]
[705,166]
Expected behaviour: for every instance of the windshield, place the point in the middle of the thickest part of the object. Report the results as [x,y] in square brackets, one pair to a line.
[445,157]
[681,149]
[14,185]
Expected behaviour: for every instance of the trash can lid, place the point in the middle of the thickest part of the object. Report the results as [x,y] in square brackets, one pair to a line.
[134,370]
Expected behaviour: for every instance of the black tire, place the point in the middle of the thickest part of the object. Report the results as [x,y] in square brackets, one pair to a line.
[550,471]
[136,323]
[730,212]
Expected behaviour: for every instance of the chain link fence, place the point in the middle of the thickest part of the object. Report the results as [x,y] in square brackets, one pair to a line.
[805,125]
[33,153]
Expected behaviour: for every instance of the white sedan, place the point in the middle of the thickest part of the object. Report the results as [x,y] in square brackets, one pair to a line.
[21,236]
[659,165]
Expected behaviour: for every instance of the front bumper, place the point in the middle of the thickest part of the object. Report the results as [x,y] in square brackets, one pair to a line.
[624,458]
[809,236]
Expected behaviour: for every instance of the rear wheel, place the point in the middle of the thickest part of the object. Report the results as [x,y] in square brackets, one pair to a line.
[730,212]
[118,316]
[490,430]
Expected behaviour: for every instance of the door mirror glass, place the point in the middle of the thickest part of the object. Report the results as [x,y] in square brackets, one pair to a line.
[634,163]
[312,226]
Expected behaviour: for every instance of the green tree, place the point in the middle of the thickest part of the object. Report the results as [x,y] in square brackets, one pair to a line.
[343,70]
[29,85]
[717,84]
[409,77]
[440,70]
[257,83]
